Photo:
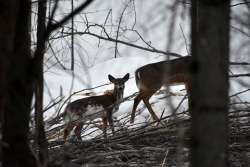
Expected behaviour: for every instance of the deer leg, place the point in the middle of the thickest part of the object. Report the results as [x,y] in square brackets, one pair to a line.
[67,131]
[110,120]
[150,109]
[188,89]
[136,102]
[78,131]
[104,127]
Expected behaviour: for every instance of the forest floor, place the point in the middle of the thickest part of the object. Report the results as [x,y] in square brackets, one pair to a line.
[150,145]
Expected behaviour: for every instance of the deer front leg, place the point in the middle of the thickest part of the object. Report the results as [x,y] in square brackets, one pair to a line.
[110,121]
[104,127]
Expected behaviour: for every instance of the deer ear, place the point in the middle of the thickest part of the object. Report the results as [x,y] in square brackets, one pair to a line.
[111,78]
[126,77]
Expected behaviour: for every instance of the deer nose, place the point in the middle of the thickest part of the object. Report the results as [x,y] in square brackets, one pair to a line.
[121,87]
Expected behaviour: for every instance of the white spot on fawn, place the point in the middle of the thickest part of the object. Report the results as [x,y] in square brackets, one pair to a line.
[70,116]
[94,110]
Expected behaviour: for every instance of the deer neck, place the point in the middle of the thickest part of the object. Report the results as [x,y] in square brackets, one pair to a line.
[118,96]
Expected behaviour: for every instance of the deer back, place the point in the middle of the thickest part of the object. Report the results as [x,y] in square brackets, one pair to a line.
[153,76]
[89,108]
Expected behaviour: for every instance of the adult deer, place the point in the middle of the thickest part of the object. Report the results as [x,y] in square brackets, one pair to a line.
[150,78]
[94,107]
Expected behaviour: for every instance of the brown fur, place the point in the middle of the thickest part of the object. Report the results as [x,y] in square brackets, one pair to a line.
[150,78]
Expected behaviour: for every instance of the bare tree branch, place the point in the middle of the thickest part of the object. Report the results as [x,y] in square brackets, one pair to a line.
[54,26]
[154,50]
[117,32]
[240,75]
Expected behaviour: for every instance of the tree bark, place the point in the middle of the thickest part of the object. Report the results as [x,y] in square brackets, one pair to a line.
[16,104]
[209,95]
[39,82]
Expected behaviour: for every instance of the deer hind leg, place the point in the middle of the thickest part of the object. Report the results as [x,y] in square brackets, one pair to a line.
[188,89]
[149,107]
[137,100]
[78,131]
[67,131]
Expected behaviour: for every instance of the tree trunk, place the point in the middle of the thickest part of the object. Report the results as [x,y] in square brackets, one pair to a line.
[209,95]
[39,81]
[16,104]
